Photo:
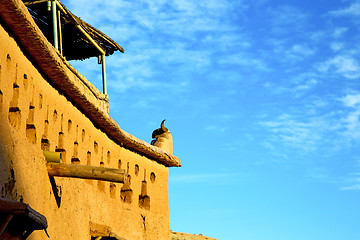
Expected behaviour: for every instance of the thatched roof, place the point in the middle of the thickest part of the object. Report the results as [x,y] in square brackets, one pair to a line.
[76,45]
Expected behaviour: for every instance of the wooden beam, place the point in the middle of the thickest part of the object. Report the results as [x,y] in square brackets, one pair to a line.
[96,45]
[55,157]
[86,172]
[34,2]
[60,32]
[61,7]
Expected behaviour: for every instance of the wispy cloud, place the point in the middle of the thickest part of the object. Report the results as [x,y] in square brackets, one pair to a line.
[215,128]
[316,128]
[338,32]
[220,178]
[304,135]
[297,85]
[319,174]
[353,9]
[287,17]
[351,120]
[303,50]
[244,60]
[291,49]
[352,182]
[351,100]
[345,65]
[336,46]
[170,44]
[179,35]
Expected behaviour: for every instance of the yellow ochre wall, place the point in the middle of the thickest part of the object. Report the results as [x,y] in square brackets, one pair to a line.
[34,117]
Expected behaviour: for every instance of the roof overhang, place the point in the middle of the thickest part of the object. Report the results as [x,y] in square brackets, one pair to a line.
[56,70]
[19,219]
[79,39]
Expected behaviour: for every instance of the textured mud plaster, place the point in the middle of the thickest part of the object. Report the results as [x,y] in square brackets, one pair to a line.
[44,105]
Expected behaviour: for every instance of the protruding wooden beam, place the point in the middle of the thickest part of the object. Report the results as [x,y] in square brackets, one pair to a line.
[86,172]
[55,157]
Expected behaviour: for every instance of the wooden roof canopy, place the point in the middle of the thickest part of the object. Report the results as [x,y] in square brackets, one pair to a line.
[19,219]
[49,62]
[79,40]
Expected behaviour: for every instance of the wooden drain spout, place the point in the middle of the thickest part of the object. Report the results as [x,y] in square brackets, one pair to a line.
[86,172]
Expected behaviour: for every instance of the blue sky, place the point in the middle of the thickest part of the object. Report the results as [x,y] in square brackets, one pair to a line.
[263,101]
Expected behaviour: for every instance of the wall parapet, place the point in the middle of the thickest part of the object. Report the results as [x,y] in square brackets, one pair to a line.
[77,89]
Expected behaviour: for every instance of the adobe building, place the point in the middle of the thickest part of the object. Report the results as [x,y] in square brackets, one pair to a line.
[67,170]
[187,236]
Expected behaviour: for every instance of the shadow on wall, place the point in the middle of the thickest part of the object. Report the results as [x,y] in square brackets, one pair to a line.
[7,173]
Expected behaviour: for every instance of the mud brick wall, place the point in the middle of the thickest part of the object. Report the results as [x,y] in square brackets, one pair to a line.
[35,116]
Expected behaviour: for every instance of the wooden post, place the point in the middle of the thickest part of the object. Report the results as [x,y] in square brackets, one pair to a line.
[55,24]
[86,172]
[60,32]
[103,68]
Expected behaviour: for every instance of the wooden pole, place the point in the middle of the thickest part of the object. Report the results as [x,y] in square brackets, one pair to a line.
[91,39]
[103,73]
[60,32]
[55,24]
[86,172]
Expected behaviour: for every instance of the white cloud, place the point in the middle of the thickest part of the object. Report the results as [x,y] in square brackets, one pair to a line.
[243,59]
[180,35]
[316,129]
[227,40]
[309,84]
[296,134]
[337,46]
[286,14]
[317,36]
[303,50]
[345,65]
[351,100]
[214,128]
[287,52]
[353,9]
[297,85]
[293,53]
[311,129]
[351,122]
[352,187]
[203,178]
[287,18]
[130,82]
[318,174]
[352,182]
[338,32]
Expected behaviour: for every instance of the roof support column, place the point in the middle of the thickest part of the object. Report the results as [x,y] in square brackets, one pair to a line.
[60,32]
[103,73]
[55,24]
